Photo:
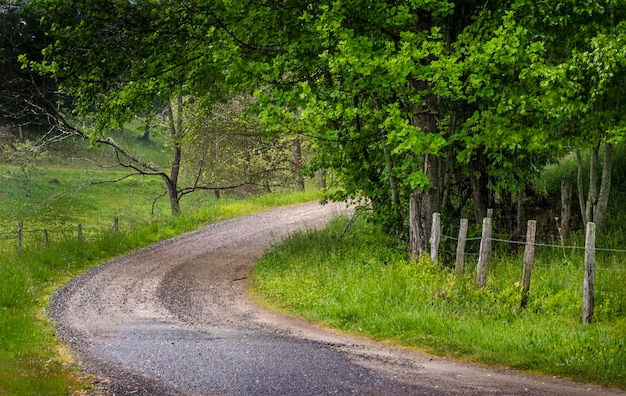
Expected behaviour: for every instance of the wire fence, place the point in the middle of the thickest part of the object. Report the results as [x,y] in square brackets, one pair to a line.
[602,270]
[38,236]
[604,276]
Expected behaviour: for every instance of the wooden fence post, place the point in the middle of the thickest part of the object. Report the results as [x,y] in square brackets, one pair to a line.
[45,238]
[590,272]
[460,247]
[566,208]
[116,224]
[529,255]
[483,256]
[435,237]
[80,231]
[20,228]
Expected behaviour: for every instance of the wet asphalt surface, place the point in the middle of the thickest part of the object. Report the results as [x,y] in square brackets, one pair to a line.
[243,363]
[175,319]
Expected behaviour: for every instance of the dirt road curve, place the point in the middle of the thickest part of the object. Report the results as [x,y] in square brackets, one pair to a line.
[174,319]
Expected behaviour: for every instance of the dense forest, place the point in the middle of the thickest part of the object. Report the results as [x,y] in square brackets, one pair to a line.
[410,107]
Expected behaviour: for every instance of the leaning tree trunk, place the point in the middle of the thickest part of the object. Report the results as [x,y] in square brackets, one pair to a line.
[172,193]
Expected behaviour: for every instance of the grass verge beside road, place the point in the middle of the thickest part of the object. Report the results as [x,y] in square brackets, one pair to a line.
[363,284]
[31,361]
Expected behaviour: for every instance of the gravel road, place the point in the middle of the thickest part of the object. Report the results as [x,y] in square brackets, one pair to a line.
[174,319]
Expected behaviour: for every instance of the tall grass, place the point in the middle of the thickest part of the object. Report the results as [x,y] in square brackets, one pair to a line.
[364,284]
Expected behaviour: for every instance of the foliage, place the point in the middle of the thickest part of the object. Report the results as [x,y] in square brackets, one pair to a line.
[229,147]
[25,97]
[457,103]
[119,61]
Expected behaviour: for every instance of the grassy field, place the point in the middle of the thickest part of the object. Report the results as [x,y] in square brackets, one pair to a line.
[363,284]
[57,195]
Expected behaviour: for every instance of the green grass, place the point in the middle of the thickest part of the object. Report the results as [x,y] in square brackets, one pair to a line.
[363,284]
[65,188]
[30,358]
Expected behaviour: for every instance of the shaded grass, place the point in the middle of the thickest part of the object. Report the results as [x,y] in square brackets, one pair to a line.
[363,284]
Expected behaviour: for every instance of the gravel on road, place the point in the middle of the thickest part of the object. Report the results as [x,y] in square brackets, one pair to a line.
[175,319]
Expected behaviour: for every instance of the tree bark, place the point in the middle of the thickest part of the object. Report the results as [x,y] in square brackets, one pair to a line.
[592,195]
[417,240]
[424,116]
[393,188]
[433,197]
[566,207]
[297,164]
[321,178]
[593,208]
[479,183]
[605,186]
[581,188]
[175,126]
[519,215]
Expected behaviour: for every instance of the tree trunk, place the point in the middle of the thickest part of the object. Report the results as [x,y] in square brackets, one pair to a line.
[424,116]
[393,189]
[426,119]
[605,186]
[417,240]
[581,188]
[175,126]
[172,193]
[479,182]
[519,215]
[593,208]
[592,195]
[432,195]
[321,178]
[566,207]
[297,164]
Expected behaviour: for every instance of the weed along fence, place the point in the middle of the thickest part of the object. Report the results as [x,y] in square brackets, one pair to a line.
[43,235]
[604,278]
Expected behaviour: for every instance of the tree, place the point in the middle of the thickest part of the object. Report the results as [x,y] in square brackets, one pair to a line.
[358,71]
[27,100]
[229,147]
[406,99]
[414,106]
[117,59]
[582,92]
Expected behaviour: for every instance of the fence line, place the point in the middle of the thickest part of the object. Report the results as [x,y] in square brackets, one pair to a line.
[589,288]
[18,234]
[598,249]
